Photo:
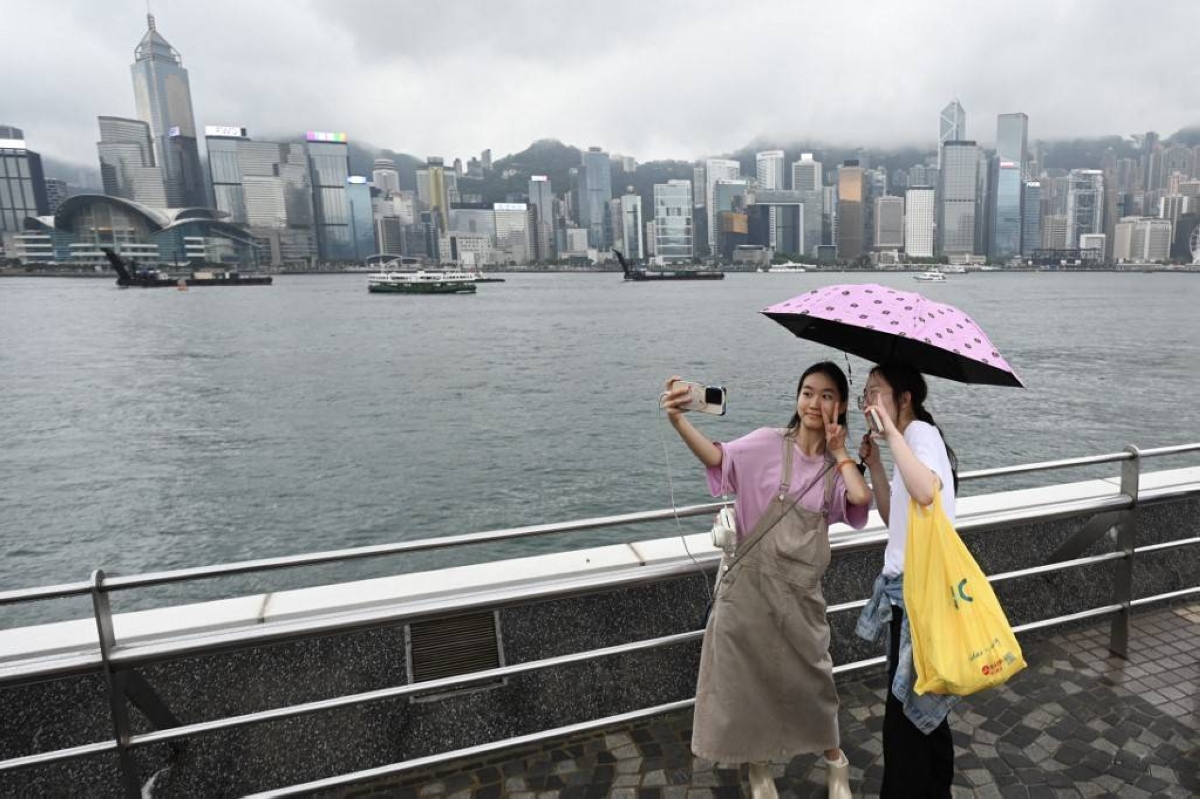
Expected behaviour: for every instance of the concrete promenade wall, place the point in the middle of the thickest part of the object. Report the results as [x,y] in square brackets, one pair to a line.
[73,711]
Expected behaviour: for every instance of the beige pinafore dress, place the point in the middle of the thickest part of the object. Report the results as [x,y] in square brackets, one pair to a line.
[765,689]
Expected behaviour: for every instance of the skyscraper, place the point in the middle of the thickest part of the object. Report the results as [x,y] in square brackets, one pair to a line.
[1085,204]
[952,126]
[22,184]
[266,186]
[631,226]
[164,102]
[851,212]
[769,172]
[889,223]
[385,176]
[717,169]
[919,215]
[512,232]
[541,198]
[1031,218]
[673,206]
[1012,134]
[1151,240]
[1007,182]
[595,193]
[56,192]
[1006,211]
[807,179]
[958,197]
[329,169]
[128,167]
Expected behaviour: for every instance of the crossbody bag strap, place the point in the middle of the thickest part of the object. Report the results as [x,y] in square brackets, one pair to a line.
[753,540]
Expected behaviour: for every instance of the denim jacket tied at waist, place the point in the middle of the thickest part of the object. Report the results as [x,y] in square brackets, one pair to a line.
[926,711]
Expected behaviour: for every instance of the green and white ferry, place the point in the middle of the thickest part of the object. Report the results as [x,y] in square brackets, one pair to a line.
[421,283]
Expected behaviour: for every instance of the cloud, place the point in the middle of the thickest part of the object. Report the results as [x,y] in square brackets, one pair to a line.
[658,80]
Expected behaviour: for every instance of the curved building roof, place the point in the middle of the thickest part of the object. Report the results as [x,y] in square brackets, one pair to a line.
[158,219]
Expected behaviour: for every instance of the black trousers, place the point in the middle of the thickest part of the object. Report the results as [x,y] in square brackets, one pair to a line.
[914,764]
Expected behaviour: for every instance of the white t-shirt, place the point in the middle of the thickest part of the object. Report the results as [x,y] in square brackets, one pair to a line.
[926,443]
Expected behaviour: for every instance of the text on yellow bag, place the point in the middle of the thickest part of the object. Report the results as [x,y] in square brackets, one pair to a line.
[962,642]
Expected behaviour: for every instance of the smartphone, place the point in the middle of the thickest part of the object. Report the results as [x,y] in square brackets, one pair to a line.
[874,422]
[705,399]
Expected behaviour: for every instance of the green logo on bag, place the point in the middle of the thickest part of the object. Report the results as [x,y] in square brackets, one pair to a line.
[961,593]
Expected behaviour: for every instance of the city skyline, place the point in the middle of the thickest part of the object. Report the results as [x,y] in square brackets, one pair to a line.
[369,70]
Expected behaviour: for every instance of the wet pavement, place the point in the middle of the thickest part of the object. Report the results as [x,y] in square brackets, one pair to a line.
[1078,722]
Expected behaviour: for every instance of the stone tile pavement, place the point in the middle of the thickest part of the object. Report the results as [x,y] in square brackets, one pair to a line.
[1078,722]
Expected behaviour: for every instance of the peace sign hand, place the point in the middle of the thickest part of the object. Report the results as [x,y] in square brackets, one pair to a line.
[835,434]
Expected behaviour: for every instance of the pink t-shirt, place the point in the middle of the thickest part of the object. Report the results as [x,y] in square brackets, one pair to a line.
[752,468]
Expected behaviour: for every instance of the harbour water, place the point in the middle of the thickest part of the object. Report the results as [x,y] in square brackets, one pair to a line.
[158,429]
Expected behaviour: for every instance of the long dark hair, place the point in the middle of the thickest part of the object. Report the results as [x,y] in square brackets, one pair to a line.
[905,379]
[834,373]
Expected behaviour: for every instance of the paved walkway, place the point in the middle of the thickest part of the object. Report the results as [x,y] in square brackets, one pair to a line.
[1078,722]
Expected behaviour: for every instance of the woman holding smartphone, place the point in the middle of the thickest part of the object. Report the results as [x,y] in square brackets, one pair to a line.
[918,751]
[765,690]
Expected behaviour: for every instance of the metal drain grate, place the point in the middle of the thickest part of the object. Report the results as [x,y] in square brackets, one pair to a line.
[448,647]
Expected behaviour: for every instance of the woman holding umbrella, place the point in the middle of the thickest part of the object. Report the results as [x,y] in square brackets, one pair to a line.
[765,689]
[918,751]
[889,326]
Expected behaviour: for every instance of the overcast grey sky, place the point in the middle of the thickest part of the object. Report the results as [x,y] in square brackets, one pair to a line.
[648,79]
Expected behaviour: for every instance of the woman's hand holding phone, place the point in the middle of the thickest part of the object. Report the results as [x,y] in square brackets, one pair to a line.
[675,398]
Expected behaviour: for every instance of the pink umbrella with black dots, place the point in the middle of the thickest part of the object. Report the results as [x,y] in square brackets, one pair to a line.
[886,325]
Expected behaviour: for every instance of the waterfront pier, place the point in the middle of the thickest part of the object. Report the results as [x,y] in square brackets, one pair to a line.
[572,674]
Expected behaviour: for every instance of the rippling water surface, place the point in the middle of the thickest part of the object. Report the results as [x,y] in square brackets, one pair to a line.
[145,430]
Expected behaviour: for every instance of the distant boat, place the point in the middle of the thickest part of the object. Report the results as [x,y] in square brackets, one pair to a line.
[789,268]
[641,273]
[480,277]
[421,283]
[953,269]
[931,276]
[158,279]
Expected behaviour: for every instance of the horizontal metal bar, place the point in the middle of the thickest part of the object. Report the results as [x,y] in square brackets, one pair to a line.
[844,606]
[133,655]
[508,743]
[1179,542]
[1045,466]
[45,592]
[1050,568]
[413,688]
[474,751]
[150,579]
[858,665]
[352,621]
[1106,610]
[57,756]
[400,548]
[1175,449]
[854,541]
[1146,600]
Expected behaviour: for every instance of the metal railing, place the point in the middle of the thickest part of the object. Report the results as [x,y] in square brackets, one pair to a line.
[116,661]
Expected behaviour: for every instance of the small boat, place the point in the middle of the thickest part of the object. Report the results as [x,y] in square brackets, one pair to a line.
[953,269]
[931,276]
[149,278]
[480,277]
[789,268]
[421,283]
[639,273]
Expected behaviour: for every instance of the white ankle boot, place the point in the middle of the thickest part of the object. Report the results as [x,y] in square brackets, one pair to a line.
[762,784]
[839,778]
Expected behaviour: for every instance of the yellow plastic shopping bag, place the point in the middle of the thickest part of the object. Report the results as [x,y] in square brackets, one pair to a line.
[962,642]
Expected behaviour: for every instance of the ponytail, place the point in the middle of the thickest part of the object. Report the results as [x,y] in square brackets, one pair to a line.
[925,416]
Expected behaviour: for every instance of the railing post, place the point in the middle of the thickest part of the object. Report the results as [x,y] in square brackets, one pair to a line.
[1118,637]
[122,729]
